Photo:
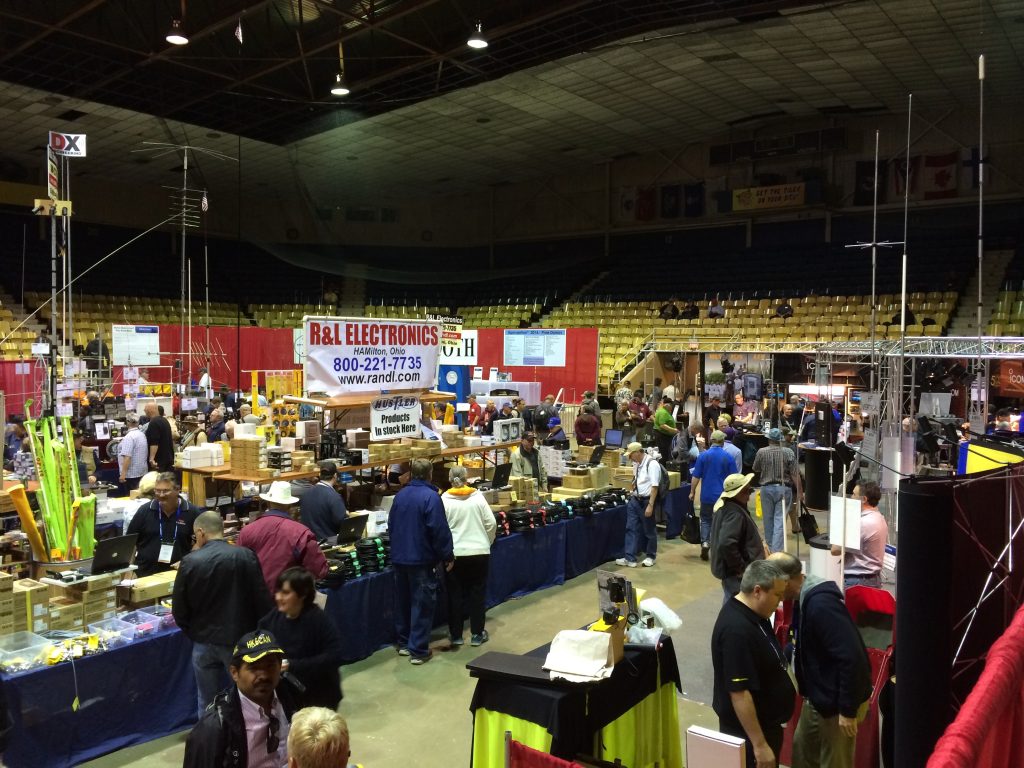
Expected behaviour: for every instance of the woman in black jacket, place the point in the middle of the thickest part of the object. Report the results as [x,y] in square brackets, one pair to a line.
[311,643]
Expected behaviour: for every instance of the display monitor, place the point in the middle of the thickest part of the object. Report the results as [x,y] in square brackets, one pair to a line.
[613,438]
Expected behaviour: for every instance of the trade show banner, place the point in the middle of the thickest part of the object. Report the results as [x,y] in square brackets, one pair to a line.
[358,355]
[1008,379]
[136,345]
[393,417]
[779,196]
[463,353]
[451,331]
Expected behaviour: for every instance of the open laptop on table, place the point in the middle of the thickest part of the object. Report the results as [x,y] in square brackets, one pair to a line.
[613,438]
[352,529]
[114,554]
[501,475]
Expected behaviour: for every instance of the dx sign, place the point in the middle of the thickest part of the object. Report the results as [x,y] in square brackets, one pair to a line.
[68,144]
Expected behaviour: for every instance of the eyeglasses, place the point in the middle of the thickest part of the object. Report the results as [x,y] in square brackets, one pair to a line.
[273,735]
[162,491]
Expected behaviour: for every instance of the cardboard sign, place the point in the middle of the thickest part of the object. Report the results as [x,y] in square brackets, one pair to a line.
[393,417]
[359,355]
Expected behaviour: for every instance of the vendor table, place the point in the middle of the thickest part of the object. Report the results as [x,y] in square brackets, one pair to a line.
[126,696]
[520,563]
[528,390]
[632,716]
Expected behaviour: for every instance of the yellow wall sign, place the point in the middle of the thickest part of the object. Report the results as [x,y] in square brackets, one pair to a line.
[779,196]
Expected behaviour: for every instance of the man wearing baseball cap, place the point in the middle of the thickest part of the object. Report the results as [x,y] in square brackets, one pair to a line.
[735,540]
[775,467]
[246,725]
[710,471]
[641,533]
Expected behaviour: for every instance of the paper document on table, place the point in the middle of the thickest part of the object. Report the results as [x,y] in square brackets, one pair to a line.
[580,656]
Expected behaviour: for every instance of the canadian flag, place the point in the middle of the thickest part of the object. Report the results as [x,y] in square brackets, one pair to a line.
[938,176]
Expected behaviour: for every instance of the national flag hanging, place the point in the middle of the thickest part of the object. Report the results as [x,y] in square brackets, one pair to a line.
[693,200]
[864,182]
[938,176]
[205,205]
[238,32]
[970,158]
[902,178]
[646,203]
[670,201]
[627,203]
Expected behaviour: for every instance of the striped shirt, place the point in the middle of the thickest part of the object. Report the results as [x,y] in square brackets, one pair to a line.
[135,447]
[775,464]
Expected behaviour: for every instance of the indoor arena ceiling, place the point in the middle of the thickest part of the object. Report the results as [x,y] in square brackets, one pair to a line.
[563,83]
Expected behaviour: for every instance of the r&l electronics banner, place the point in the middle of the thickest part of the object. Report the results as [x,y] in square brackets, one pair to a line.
[354,355]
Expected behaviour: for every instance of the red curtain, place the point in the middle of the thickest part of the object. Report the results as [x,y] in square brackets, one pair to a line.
[20,381]
[578,375]
[989,729]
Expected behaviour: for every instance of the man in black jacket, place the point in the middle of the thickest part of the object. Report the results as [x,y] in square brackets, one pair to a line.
[834,675]
[219,595]
[250,717]
[735,540]
[321,508]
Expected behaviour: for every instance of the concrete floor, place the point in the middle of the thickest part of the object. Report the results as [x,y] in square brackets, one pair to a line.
[402,715]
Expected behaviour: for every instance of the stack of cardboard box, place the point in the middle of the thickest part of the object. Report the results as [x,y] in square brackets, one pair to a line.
[148,590]
[249,455]
[31,606]
[525,489]
[279,460]
[6,604]
[304,461]
[95,598]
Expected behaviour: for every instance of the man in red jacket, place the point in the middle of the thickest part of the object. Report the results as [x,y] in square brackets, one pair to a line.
[280,542]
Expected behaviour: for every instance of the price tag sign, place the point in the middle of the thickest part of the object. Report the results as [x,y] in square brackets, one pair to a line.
[189,404]
[392,417]
[348,356]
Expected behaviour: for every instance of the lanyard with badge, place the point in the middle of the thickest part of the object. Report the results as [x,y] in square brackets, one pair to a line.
[167,548]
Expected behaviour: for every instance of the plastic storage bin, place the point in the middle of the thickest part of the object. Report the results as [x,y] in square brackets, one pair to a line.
[23,651]
[144,623]
[162,614]
[114,632]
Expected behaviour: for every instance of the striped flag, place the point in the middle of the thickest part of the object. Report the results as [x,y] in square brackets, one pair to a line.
[205,205]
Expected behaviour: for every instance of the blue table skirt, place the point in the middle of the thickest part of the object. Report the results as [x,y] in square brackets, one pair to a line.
[678,507]
[364,609]
[127,696]
[590,541]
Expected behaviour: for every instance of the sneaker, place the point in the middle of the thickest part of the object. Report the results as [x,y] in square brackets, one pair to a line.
[403,651]
[480,639]
[704,550]
[419,660]
[631,563]
[457,641]
[621,561]
[648,562]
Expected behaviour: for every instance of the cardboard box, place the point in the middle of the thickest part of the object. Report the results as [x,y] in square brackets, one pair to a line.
[674,480]
[584,452]
[618,633]
[600,475]
[6,583]
[31,598]
[152,587]
[577,481]
[612,458]
[65,613]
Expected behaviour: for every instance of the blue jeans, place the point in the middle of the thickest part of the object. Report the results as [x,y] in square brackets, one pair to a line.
[707,511]
[415,601]
[641,532]
[862,581]
[210,664]
[773,509]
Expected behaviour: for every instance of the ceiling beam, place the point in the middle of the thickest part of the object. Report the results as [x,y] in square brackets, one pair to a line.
[402,11]
[50,29]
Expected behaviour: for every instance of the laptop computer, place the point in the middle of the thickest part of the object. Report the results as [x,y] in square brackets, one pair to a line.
[595,456]
[112,555]
[352,529]
[613,438]
[501,475]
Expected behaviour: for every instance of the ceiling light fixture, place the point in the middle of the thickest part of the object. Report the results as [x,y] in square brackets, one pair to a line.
[477,39]
[176,35]
[339,88]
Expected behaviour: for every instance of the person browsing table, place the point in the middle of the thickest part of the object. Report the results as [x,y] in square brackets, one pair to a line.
[641,533]
[164,527]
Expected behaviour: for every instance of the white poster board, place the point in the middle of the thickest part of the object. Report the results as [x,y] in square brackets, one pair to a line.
[543,347]
[393,417]
[360,355]
[136,345]
[464,353]
[848,530]
[298,346]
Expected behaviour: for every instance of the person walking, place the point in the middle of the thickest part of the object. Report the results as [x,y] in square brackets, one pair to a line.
[641,533]
[710,470]
[473,529]
[735,541]
[776,467]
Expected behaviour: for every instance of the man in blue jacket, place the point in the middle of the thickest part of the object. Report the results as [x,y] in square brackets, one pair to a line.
[710,471]
[420,539]
[834,675]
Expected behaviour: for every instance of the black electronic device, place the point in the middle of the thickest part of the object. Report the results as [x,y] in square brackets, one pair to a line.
[595,457]
[112,555]
[501,475]
[351,529]
[824,424]
[613,438]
